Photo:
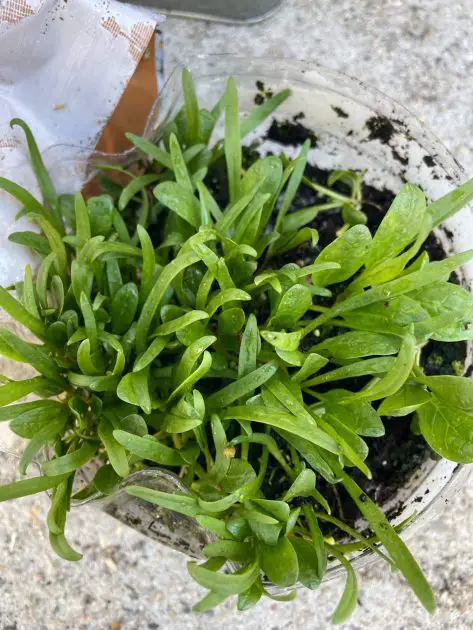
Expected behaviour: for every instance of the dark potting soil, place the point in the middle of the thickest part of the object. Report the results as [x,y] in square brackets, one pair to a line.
[395,457]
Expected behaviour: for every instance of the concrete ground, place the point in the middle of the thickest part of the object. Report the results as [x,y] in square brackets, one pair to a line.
[421,53]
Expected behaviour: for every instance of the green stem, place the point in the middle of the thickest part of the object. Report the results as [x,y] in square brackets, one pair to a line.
[354,534]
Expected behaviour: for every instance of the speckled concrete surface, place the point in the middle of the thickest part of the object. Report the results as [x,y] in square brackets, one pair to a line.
[420,52]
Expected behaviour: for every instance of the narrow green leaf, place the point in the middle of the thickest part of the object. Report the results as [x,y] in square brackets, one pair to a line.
[19,350]
[149,263]
[406,400]
[378,365]
[82,218]
[176,502]
[44,180]
[302,486]
[263,111]
[224,584]
[151,150]
[280,420]
[349,250]
[116,453]
[174,325]
[95,383]
[124,307]
[56,243]
[191,108]
[232,145]
[356,344]
[282,340]
[136,185]
[244,386]
[280,563]
[89,321]
[70,462]
[394,544]
[393,380]
[148,448]
[18,312]
[448,205]
[150,354]
[26,487]
[63,549]
[399,226]
[227,295]
[157,292]
[134,389]
[349,599]
[29,293]
[37,242]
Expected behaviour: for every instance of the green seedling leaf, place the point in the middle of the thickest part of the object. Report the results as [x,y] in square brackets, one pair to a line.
[356,344]
[225,296]
[451,203]
[116,452]
[81,215]
[399,227]
[106,480]
[232,144]
[452,301]
[244,386]
[152,303]
[178,164]
[249,348]
[175,325]
[293,305]
[37,242]
[70,462]
[368,367]
[152,151]
[349,250]
[408,399]
[133,389]
[44,180]
[448,430]
[280,420]
[124,306]
[15,348]
[224,584]
[360,418]
[16,310]
[393,380]
[230,550]
[45,435]
[294,182]
[282,340]
[214,525]
[280,563]
[302,486]
[95,383]
[456,391]
[176,502]
[394,545]
[349,599]
[29,293]
[249,598]
[101,212]
[26,487]
[155,348]
[313,362]
[136,185]
[310,575]
[148,448]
